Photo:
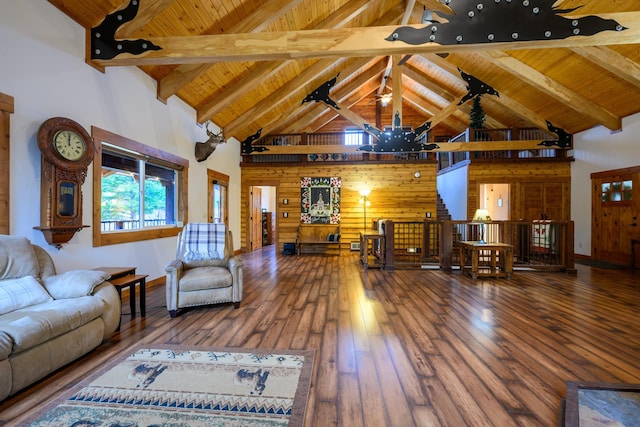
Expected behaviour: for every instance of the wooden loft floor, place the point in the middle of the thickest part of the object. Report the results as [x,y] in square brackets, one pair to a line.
[409,347]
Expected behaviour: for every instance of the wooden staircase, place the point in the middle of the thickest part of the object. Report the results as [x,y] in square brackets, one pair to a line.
[441,209]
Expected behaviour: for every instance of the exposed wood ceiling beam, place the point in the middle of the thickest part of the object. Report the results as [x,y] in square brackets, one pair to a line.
[607,58]
[147,10]
[396,88]
[348,102]
[342,95]
[266,69]
[405,19]
[551,87]
[345,42]
[257,21]
[296,113]
[285,92]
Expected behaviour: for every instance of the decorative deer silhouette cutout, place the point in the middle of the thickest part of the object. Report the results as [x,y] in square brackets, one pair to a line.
[204,149]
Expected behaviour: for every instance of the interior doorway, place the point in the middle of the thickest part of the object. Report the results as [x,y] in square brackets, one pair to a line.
[495,198]
[263,227]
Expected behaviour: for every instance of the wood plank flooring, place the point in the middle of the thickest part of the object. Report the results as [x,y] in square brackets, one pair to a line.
[408,347]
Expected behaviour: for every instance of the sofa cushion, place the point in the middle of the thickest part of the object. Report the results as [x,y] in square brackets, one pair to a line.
[19,293]
[6,345]
[17,258]
[36,324]
[196,279]
[74,283]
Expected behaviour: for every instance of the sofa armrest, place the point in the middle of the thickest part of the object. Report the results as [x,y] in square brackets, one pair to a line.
[174,272]
[111,316]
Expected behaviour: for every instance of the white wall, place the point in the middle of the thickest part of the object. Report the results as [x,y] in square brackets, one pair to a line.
[42,67]
[453,187]
[598,150]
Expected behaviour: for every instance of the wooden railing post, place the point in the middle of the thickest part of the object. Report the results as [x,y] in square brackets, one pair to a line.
[389,259]
[446,245]
[570,248]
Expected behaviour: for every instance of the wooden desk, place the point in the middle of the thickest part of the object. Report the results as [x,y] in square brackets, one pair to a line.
[500,262]
[372,236]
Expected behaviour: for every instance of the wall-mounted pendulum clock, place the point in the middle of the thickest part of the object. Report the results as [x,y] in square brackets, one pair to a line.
[67,151]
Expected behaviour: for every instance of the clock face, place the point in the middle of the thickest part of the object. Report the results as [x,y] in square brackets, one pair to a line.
[69,145]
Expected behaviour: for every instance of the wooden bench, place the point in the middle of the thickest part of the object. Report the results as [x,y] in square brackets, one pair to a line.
[320,237]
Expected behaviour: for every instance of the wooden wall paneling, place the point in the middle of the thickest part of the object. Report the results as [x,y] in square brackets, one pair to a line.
[536,187]
[396,194]
[6,109]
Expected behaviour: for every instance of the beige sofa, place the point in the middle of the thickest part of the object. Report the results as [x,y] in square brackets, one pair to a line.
[47,320]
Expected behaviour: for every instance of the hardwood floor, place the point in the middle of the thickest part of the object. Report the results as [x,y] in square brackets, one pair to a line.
[408,347]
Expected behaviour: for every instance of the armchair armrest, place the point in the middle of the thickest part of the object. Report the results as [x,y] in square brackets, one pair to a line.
[235,267]
[174,272]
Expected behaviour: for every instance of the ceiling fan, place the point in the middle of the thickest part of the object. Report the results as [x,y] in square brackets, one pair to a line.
[385,98]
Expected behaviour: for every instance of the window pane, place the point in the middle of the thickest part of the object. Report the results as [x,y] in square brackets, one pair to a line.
[627,190]
[353,136]
[120,200]
[219,197]
[606,195]
[159,196]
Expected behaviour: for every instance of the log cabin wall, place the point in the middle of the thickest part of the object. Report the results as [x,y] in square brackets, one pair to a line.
[395,194]
[536,187]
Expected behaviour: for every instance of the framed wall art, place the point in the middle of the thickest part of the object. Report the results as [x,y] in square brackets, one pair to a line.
[320,200]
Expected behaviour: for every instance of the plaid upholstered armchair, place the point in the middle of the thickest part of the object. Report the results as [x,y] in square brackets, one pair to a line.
[205,270]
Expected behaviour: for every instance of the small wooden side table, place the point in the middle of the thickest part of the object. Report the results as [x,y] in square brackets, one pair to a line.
[123,277]
[364,247]
[501,261]
[130,281]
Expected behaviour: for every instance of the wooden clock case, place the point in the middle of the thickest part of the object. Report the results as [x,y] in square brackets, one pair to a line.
[61,182]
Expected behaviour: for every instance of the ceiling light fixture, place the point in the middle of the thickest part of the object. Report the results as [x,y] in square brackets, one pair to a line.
[385,99]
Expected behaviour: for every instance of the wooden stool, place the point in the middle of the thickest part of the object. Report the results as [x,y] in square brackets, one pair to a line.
[130,281]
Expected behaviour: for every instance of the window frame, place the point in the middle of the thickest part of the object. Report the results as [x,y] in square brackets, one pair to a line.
[217,178]
[611,182]
[101,238]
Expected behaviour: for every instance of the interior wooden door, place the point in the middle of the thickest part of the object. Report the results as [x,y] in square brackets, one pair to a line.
[615,206]
[255,238]
[544,200]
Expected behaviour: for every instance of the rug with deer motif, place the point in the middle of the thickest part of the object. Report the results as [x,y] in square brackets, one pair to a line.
[177,386]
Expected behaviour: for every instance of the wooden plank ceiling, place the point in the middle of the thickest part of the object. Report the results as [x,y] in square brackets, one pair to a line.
[248,64]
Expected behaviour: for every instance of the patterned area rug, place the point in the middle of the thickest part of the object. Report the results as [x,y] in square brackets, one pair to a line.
[176,386]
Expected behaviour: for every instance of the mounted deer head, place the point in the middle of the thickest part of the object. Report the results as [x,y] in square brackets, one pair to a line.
[204,149]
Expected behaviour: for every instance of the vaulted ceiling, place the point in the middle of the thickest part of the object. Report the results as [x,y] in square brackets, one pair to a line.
[249,64]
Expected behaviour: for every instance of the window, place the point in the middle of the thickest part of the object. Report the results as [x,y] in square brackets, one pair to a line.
[617,191]
[353,136]
[141,191]
[218,185]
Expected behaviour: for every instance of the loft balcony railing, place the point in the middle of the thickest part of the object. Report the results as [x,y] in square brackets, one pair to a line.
[133,224]
[354,139]
[538,245]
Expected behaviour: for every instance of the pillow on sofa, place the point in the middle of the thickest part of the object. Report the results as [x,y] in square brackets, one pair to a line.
[20,293]
[74,283]
[17,258]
